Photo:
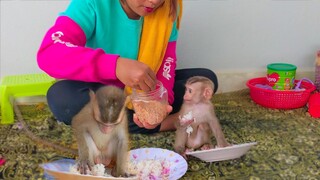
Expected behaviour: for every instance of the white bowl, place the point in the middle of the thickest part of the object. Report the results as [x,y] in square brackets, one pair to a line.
[222,154]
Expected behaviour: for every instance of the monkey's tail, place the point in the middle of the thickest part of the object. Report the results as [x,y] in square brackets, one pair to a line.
[35,138]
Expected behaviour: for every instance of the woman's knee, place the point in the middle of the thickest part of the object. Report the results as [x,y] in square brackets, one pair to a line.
[66,98]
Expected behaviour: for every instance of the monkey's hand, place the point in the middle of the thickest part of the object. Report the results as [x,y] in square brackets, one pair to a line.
[185,123]
[84,166]
[206,147]
[102,160]
[184,154]
[223,144]
[186,119]
[182,151]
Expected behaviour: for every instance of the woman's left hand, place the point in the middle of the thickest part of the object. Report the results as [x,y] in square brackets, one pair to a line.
[147,125]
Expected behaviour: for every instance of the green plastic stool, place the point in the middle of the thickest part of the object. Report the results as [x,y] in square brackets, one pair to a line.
[21,86]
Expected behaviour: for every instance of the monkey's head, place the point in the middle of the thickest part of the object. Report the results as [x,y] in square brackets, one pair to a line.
[198,89]
[107,104]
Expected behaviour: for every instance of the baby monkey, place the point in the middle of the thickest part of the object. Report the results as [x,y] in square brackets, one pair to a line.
[197,119]
[101,131]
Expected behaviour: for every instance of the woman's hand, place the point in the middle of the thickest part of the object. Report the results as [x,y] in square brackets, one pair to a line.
[135,74]
[147,125]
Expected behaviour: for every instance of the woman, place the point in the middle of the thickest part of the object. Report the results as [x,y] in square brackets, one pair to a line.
[127,43]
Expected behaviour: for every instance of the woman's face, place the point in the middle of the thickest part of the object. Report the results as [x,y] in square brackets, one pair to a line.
[137,8]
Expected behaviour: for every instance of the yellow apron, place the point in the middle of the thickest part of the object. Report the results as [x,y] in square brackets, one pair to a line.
[155,36]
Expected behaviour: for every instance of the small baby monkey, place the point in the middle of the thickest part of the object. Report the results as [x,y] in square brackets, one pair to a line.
[197,119]
[101,130]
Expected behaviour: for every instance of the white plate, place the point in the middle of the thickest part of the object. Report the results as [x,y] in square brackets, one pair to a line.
[221,154]
[60,170]
[178,166]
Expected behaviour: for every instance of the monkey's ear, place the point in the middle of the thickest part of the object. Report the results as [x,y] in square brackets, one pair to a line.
[94,105]
[207,93]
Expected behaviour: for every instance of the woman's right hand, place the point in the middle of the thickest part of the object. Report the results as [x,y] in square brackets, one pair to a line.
[135,74]
[146,124]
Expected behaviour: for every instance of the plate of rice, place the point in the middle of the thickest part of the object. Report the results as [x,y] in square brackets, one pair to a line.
[156,164]
[143,164]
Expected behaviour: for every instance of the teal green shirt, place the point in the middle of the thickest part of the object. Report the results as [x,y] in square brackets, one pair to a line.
[107,26]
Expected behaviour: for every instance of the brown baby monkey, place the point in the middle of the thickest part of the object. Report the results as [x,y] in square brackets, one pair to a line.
[197,119]
[101,130]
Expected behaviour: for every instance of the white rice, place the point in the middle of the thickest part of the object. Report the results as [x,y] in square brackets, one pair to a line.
[97,170]
[150,169]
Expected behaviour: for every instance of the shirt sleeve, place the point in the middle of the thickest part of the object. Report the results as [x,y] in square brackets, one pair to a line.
[83,13]
[63,55]
[166,73]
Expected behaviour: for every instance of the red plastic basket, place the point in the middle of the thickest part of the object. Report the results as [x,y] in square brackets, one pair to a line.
[279,99]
